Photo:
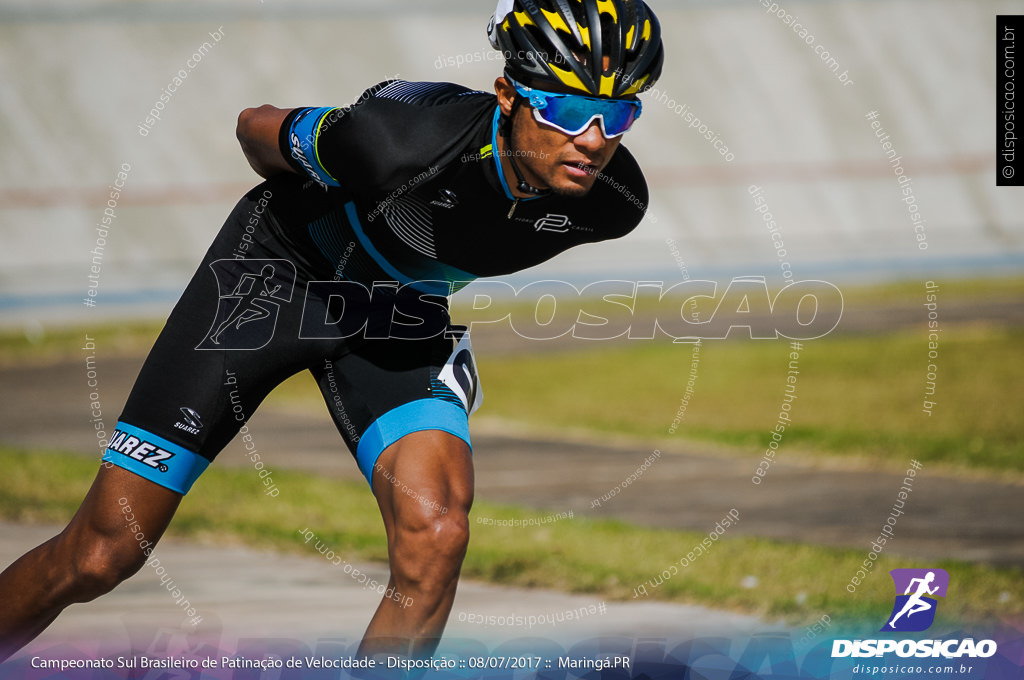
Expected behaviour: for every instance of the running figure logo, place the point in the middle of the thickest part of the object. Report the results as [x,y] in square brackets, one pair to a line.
[914,611]
[250,293]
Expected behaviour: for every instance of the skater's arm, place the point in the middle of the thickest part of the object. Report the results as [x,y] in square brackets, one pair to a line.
[258,132]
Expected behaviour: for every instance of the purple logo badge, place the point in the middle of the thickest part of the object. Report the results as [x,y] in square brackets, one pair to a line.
[914,610]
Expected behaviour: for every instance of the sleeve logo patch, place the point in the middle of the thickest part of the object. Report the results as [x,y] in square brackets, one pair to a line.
[299,154]
[139,449]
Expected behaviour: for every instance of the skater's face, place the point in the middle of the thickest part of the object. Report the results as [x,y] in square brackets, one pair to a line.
[549,158]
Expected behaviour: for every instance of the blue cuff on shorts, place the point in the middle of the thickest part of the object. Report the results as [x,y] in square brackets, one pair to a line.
[154,458]
[416,416]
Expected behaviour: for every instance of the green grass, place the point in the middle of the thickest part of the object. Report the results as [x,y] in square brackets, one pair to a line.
[608,559]
[43,344]
[856,395]
[912,292]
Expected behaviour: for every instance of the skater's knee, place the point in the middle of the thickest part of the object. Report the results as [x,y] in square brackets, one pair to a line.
[101,562]
[443,537]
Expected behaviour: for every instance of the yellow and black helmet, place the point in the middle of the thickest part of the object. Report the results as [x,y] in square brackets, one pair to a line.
[601,48]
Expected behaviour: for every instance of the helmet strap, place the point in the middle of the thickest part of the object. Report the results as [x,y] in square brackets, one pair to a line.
[506,131]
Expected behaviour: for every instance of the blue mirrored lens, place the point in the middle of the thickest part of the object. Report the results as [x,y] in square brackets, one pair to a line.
[572,114]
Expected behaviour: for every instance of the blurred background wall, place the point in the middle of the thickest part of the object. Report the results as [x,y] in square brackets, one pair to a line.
[78,80]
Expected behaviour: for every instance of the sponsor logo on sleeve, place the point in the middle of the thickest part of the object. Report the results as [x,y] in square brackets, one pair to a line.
[141,450]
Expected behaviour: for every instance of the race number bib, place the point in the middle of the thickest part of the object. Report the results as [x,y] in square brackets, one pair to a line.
[460,374]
